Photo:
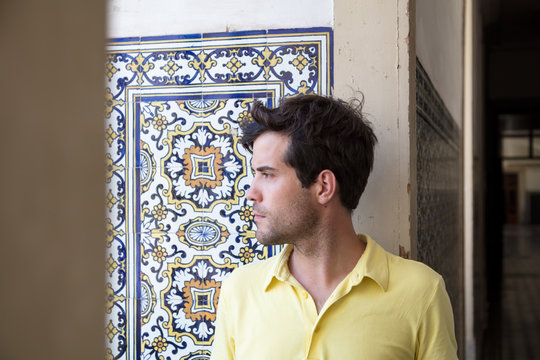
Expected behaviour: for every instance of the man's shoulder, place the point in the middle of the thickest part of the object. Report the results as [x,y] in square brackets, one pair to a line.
[399,268]
[412,266]
[413,274]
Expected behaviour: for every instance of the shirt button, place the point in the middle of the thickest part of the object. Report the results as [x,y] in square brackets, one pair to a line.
[306,295]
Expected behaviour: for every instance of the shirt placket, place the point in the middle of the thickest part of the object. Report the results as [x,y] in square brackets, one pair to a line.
[310,314]
[340,291]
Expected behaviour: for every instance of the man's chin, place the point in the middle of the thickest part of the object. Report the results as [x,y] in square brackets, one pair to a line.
[268,240]
[262,240]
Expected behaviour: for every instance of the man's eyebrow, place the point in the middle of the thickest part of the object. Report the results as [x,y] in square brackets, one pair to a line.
[264,168]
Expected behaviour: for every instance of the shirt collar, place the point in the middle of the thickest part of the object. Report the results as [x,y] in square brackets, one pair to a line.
[373,264]
[280,269]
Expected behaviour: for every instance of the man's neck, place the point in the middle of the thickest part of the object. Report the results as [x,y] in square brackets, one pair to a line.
[322,262]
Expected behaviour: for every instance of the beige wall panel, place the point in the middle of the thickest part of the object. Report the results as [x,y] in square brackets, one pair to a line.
[52,180]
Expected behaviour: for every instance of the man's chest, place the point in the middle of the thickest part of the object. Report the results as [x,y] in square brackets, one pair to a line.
[288,327]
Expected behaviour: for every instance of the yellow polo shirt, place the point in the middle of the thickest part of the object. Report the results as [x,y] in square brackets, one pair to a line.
[386,308]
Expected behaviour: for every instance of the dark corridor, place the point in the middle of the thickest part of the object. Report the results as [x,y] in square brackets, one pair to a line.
[510,246]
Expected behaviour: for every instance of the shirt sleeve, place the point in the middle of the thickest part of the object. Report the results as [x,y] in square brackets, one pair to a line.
[223,345]
[436,336]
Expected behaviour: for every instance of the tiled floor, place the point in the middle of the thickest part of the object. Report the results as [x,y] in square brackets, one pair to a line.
[521,293]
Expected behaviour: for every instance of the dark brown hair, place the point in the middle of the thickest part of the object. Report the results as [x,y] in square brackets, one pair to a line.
[325,133]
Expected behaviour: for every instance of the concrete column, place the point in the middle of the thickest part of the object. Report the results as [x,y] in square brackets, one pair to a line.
[374,55]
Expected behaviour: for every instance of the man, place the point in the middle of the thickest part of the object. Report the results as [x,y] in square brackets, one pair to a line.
[330,294]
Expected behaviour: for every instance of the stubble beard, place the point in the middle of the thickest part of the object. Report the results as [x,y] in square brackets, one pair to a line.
[288,226]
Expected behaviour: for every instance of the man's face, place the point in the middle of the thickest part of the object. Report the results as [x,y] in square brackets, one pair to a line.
[284,211]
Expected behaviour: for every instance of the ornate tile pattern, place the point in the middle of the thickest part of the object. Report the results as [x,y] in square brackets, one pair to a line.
[439,178]
[178,221]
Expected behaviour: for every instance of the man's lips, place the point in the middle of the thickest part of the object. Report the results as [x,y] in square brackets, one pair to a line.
[258,212]
[258,217]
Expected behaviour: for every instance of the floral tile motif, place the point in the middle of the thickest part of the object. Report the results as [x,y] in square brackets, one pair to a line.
[178,222]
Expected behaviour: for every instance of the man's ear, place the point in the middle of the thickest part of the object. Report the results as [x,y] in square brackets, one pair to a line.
[327,186]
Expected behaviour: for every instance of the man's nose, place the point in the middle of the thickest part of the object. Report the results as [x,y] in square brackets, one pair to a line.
[252,193]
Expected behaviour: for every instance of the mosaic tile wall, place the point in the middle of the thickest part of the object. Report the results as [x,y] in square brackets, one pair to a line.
[439,178]
[178,221]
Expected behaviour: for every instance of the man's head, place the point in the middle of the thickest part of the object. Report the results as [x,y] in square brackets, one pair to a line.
[325,134]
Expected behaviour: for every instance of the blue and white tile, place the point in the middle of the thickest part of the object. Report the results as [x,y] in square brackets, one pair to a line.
[177,175]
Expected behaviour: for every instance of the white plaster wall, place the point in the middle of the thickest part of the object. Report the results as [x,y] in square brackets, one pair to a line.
[372,55]
[439,46]
[174,17]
